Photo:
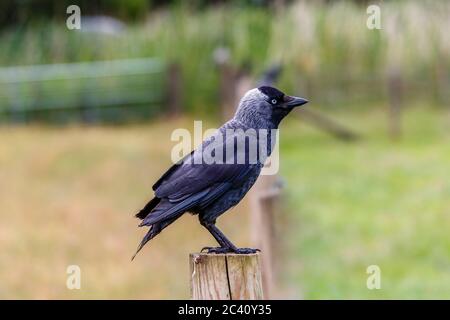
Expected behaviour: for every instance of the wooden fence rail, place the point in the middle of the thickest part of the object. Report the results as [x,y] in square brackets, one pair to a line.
[108,91]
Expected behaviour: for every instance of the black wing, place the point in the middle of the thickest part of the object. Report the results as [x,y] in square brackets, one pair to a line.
[191,183]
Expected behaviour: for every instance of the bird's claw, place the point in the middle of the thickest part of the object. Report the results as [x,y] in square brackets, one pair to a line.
[216,249]
[246,250]
[221,250]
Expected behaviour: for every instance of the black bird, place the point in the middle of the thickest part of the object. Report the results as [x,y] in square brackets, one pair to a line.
[209,188]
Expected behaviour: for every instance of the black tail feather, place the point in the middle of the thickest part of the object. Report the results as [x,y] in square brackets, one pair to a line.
[148,208]
[149,236]
[154,230]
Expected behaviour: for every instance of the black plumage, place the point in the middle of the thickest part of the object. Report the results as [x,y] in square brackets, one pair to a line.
[209,189]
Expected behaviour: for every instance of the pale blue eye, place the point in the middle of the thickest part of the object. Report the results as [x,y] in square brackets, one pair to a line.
[274,101]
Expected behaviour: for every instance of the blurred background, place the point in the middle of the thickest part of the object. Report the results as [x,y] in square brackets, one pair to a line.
[86,117]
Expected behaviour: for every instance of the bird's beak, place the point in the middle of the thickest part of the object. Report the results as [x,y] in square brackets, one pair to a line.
[292,101]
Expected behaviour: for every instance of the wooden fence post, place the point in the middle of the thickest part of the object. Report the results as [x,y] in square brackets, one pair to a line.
[227,90]
[263,200]
[395,88]
[225,276]
[174,89]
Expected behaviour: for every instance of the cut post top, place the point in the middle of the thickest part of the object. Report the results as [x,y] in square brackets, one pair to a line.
[227,276]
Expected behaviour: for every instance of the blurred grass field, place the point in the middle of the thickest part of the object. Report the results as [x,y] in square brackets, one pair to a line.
[374,202]
[67,196]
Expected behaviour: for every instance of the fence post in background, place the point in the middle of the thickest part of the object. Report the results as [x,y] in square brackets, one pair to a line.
[227,90]
[279,5]
[174,89]
[327,124]
[85,109]
[263,201]
[395,88]
[227,82]
[16,114]
[442,83]
[234,83]
[264,198]
[225,276]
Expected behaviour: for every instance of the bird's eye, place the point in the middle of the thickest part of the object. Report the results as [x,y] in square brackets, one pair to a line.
[274,101]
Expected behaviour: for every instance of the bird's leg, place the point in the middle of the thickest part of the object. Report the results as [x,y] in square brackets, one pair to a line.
[225,244]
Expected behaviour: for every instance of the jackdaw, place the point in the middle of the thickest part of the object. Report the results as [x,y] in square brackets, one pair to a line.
[209,188]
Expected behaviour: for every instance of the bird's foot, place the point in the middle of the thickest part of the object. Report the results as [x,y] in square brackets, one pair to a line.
[217,249]
[246,250]
[229,250]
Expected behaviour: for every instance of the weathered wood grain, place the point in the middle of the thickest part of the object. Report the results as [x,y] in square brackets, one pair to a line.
[225,276]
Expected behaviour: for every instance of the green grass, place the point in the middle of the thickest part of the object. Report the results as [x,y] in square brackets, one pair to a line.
[68,195]
[370,203]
